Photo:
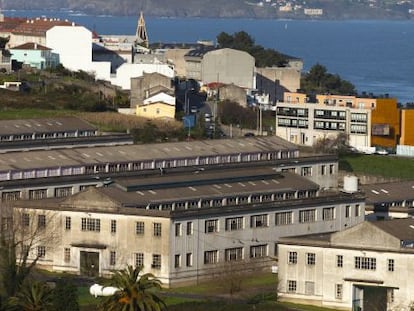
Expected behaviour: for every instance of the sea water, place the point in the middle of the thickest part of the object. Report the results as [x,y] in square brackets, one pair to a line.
[376,56]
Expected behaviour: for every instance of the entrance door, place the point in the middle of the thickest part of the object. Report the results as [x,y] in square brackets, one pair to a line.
[375,298]
[89,263]
[367,298]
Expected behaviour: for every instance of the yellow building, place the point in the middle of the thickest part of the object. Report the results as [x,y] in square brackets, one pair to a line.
[407,127]
[159,106]
[385,123]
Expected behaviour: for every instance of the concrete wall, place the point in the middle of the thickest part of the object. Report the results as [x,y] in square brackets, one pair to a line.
[233,93]
[127,71]
[176,56]
[141,86]
[228,66]
[275,81]
[73,44]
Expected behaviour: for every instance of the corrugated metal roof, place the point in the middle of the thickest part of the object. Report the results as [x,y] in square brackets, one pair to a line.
[130,153]
[47,125]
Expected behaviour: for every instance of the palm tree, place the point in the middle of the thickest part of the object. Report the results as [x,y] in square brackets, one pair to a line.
[33,296]
[137,293]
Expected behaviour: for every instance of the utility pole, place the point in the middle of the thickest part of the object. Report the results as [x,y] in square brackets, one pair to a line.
[260,119]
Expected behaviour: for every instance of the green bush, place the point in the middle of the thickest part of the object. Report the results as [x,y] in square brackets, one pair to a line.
[65,296]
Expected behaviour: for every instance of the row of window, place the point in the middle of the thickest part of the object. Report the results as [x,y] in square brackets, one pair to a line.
[324,125]
[235,254]
[234,200]
[94,224]
[138,258]
[292,287]
[260,221]
[210,257]
[37,194]
[358,129]
[297,123]
[338,288]
[292,112]
[362,263]
[330,114]
[35,136]
[149,164]
[211,225]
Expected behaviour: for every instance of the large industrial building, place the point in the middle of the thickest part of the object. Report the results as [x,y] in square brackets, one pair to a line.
[184,226]
[182,210]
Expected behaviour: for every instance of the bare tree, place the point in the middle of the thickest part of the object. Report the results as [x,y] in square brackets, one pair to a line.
[25,235]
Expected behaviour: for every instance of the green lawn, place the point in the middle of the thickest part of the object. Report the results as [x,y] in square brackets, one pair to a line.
[387,166]
[257,293]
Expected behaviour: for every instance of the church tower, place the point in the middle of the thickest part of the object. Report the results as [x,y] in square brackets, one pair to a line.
[141,34]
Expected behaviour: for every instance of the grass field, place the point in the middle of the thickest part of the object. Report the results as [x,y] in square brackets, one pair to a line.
[387,166]
[258,292]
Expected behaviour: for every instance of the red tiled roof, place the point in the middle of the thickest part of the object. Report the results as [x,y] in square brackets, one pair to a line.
[30,46]
[214,85]
[39,26]
[10,23]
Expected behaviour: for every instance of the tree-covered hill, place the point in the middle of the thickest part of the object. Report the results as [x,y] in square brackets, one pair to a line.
[332,9]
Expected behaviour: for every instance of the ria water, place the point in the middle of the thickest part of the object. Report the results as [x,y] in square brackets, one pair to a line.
[376,56]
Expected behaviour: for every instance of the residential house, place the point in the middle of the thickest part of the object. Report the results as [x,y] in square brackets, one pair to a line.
[193,62]
[160,105]
[34,55]
[147,85]
[34,30]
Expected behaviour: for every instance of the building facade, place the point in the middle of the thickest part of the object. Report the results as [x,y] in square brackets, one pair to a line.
[147,85]
[307,124]
[228,66]
[184,227]
[365,121]
[275,81]
[366,267]
[158,106]
[34,55]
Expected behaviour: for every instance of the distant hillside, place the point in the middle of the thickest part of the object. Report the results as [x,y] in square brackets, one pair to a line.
[332,9]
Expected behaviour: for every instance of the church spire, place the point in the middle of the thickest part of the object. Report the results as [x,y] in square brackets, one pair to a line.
[141,34]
